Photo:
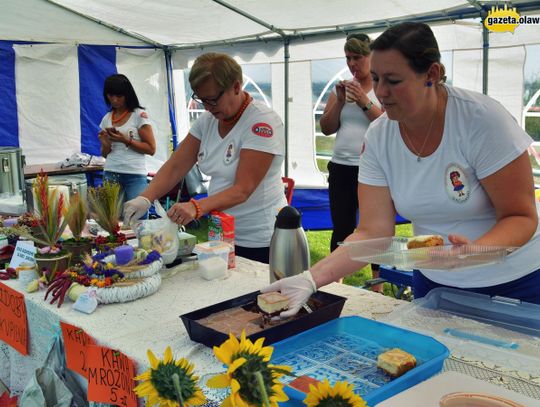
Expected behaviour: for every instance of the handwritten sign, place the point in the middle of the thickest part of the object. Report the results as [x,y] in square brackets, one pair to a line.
[24,253]
[110,377]
[76,342]
[13,322]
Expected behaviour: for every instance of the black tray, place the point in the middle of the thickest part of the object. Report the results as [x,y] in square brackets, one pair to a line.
[325,308]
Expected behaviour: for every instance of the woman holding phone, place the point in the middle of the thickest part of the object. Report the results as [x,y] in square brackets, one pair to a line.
[126,137]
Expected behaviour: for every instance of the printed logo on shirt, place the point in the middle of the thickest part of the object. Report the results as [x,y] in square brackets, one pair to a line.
[229,154]
[457,183]
[262,130]
[144,115]
[201,155]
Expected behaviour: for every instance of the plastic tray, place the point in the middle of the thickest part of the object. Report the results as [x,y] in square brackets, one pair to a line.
[347,349]
[326,307]
[497,330]
[392,251]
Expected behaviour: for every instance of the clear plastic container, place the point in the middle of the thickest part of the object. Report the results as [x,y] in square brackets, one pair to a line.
[392,251]
[502,331]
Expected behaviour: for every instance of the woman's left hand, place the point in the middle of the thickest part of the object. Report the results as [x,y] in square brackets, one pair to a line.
[456,239]
[182,213]
[357,93]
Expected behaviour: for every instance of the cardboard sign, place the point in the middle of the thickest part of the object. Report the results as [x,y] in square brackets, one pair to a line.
[76,342]
[24,252]
[110,377]
[13,322]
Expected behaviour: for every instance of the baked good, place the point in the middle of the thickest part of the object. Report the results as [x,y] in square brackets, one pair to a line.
[233,320]
[273,302]
[396,362]
[425,241]
[302,383]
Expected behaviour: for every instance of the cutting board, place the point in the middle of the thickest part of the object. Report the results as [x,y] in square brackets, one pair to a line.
[429,392]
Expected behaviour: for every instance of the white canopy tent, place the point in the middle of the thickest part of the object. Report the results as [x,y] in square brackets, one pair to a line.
[287,35]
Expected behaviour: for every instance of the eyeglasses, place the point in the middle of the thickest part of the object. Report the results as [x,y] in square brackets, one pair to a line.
[359,36]
[207,101]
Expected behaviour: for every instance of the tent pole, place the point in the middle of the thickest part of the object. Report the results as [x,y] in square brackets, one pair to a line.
[286,57]
[170,96]
[485,54]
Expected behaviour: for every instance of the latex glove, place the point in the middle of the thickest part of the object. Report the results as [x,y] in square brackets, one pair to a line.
[297,288]
[135,209]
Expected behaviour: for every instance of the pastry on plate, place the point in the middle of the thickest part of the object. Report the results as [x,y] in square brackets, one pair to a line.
[425,241]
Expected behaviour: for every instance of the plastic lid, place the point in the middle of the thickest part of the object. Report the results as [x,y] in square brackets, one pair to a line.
[212,247]
[288,218]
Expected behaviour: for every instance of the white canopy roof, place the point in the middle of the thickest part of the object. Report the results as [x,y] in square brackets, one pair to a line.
[192,23]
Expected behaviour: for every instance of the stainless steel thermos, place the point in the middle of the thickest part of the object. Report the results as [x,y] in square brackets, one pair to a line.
[289,250]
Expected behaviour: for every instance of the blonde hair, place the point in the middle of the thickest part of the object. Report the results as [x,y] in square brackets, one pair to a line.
[358,43]
[220,67]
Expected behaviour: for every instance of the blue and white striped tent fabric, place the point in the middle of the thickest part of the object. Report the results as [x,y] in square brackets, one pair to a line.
[52,96]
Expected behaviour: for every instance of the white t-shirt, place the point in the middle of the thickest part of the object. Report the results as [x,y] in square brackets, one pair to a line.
[261,129]
[123,159]
[351,133]
[442,193]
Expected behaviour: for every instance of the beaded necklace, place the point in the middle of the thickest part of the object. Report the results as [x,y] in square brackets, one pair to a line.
[118,119]
[232,121]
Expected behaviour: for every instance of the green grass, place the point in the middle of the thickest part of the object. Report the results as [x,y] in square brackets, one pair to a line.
[319,248]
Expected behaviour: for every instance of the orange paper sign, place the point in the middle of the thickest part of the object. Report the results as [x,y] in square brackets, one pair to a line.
[75,343]
[13,323]
[110,377]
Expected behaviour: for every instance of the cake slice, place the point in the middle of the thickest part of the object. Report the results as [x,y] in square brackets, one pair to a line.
[396,362]
[273,302]
[425,241]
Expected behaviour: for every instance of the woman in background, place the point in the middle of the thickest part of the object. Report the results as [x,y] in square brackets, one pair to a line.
[126,137]
[350,109]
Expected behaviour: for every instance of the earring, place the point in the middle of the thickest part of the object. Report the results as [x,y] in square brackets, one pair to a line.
[429,84]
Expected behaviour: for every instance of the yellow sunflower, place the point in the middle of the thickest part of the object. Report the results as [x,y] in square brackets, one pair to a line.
[157,383]
[341,395]
[247,364]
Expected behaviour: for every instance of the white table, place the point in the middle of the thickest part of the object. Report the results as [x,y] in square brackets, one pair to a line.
[153,322]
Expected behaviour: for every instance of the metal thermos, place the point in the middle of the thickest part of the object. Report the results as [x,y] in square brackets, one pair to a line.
[289,250]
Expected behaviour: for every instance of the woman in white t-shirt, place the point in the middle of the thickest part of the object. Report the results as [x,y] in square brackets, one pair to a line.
[240,143]
[126,137]
[452,161]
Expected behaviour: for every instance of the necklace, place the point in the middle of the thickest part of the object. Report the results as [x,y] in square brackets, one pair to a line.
[419,152]
[232,121]
[118,119]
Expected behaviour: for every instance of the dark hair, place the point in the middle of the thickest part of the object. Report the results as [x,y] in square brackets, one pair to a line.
[120,85]
[415,41]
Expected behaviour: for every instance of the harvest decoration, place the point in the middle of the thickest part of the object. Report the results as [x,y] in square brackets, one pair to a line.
[339,395]
[252,379]
[76,215]
[169,382]
[106,205]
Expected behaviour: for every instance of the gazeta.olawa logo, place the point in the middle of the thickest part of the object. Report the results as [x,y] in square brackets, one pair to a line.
[506,19]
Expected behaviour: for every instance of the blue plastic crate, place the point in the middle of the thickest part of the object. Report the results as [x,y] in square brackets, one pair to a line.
[347,349]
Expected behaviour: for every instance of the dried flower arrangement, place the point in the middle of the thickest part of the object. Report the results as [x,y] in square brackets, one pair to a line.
[77,213]
[106,206]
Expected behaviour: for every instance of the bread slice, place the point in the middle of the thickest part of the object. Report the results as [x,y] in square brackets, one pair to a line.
[425,241]
[396,362]
[272,302]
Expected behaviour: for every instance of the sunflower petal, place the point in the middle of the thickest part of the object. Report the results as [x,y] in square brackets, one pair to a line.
[168,356]
[220,381]
[152,358]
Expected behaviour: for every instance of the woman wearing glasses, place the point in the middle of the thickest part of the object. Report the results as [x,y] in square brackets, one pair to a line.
[240,143]
[351,107]
[126,137]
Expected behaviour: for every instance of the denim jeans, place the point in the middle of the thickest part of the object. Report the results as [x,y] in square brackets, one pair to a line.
[132,184]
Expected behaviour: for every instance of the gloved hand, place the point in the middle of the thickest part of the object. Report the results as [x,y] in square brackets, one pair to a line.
[135,209]
[297,288]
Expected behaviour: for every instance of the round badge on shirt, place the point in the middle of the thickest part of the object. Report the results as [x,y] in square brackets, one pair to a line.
[457,183]
[229,154]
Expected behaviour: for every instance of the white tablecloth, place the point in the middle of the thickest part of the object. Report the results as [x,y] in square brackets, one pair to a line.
[153,322]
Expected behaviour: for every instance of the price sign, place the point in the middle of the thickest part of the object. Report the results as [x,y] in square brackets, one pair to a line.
[76,342]
[110,377]
[13,322]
